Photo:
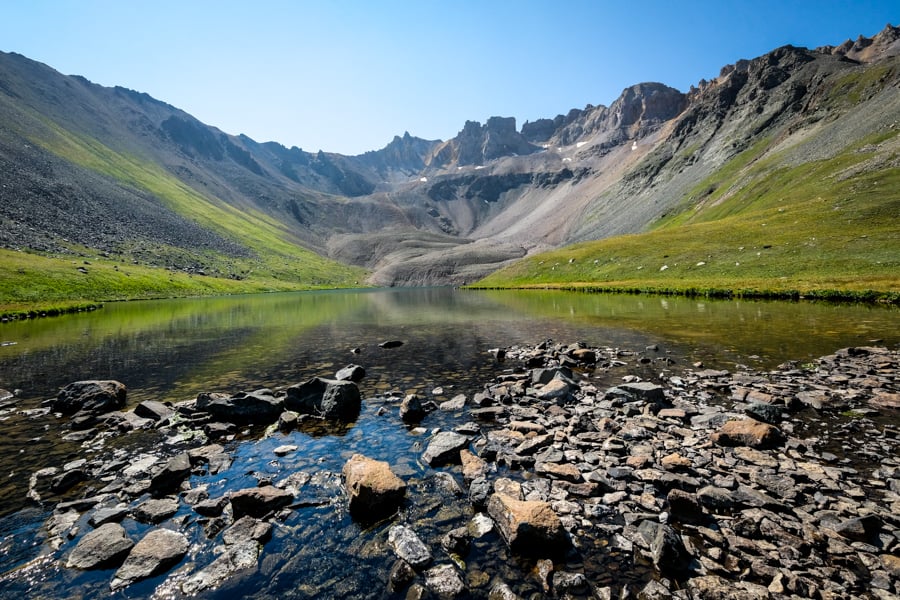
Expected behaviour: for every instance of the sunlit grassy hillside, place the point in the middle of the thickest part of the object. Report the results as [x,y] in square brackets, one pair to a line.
[758,226]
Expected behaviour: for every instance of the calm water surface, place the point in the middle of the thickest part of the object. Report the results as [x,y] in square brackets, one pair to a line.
[171,350]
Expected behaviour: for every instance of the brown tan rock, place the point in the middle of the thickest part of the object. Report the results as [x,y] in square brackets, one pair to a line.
[528,526]
[374,490]
[748,432]
[472,465]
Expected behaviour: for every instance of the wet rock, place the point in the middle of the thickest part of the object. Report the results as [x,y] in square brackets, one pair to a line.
[444,448]
[748,432]
[354,373]
[155,553]
[212,507]
[260,501]
[502,591]
[288,420]
[155,510]
[285,449]
[167,479]
[241,557]
[259,407]
[390,344]
[407,546]
[528,526]
[93,397]
[570,583]
[374,491]
[327,398]
[412,410]
[479,491]
[456,541]
[103,548]
[102,516]
[458,402]
[247,529]
[445,582]
[153,410]
[401,575]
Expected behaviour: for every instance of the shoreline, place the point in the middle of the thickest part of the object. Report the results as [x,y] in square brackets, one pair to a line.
[647,472]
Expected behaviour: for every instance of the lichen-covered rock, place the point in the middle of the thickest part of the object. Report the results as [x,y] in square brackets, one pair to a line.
[374,491]
[409,547]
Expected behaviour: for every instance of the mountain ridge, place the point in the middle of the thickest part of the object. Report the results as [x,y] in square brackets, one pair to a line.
[415,212]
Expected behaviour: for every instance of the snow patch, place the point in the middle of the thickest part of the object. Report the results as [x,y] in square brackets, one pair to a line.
[567,159]
[580,144]
[423,179]
[634,145]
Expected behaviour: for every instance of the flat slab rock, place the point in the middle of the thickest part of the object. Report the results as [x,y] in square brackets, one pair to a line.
[159,550]
[528,526]
[444,448]
[105,547]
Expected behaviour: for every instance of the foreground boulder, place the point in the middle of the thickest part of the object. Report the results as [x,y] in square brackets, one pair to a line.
[105,547]
[258,407]
[92,397]
[328,398]
[159,550]
[528,526]
[373,489]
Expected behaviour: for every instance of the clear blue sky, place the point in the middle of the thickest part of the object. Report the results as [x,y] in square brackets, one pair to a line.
[346,75]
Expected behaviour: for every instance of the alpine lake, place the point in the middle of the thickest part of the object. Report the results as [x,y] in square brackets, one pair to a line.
[172,350]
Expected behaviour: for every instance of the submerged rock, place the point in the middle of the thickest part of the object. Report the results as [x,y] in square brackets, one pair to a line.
[409,547]
[240,557]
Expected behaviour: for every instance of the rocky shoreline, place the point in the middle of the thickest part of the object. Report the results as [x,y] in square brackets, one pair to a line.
[707,483]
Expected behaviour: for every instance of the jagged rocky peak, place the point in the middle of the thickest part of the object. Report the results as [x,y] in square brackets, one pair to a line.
[647,104]
[884,44]
[543,129]
[477,143]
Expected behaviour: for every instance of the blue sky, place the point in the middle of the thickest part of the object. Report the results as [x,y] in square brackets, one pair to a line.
[346,76]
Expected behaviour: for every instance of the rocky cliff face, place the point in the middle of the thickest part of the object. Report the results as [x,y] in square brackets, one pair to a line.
[495,192]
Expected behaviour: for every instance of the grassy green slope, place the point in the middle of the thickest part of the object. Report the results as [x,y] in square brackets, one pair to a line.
[276,261]
[755,227]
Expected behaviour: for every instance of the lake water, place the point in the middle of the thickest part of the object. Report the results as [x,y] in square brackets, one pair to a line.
[171,350]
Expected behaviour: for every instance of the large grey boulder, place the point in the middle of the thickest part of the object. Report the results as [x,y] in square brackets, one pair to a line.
[158,551]
[257,407]
[103,548]
[328,398]
[92,397]
[444,448]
